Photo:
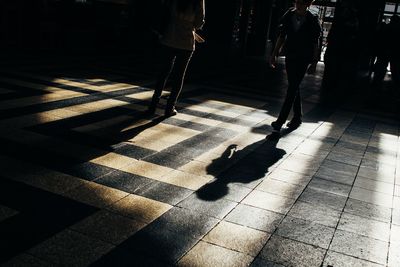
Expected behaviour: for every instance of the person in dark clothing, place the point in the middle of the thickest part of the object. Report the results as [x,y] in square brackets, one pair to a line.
[177,44]
[387,50]
[299,31]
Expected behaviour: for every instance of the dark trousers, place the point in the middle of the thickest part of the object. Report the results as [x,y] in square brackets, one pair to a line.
[380,69]
[177,59]
[295,69]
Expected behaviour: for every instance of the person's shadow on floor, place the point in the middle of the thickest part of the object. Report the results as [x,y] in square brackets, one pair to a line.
[246,166]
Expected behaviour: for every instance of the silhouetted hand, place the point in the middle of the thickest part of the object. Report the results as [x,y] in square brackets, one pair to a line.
[272,61]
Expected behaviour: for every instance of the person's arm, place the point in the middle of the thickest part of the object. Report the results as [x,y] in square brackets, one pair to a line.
[200,15]
[313,66]
[282,32]
[276,51]
[316,52]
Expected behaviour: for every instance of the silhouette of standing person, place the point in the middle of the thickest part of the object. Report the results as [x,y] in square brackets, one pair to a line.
[299,31]
[388,50]
[177,44]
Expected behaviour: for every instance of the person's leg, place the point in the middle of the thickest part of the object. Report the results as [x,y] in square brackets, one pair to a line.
[380,69]
[295,73]
[182,60]
[395,70]
[297,112]
[168,59]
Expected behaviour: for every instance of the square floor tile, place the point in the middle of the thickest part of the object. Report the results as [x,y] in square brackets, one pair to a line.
[337,259]
[256,218]
[6,212]
[330,186]
[269,201]
[372,197]
[218,208]
[109,227]
[364,226]
[237,237]
[360,246]
[318,197]
[205,254]
[280,188]
[306,231]
[368,210]
[70,248]
[320,214]
[292,253]
[140,208]
[95,194]
[290,177]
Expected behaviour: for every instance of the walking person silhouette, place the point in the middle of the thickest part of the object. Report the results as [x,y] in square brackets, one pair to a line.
[299,31]
[388,51]
[177,44]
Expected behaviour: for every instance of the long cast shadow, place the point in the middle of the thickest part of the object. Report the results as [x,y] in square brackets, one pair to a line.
[246,166]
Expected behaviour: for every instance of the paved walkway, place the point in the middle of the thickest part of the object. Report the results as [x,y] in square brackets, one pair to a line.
[87,179]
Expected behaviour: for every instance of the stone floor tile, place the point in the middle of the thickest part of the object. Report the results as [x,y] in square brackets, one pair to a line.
[312,148]
[109,227]
[344,158]
[114,160]
[268,201]
[374,185]
[396,203]
[365,227]
[378,175]
[371,197]
[292,253]
[280,188]
[186,180]
[26,260]
[301,164]
[397,191]
[95,194]
[260,262]
[318,197]
[320,214]
[290,177]
[147,169]
[377,165]
[6,212]
[395,234]
[171,194]
[394,255]
[218,208]
[53,181]
[337,259]
[70,248]
[205,254]
[185,222]
[337,172]
[368,210]
[140,208]
[197,168]
[306,231]
[330,186]
[388,159]
[256,218]
[360,246]
[396,217]
[237,237]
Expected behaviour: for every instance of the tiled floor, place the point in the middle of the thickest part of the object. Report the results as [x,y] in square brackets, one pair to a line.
[87,179]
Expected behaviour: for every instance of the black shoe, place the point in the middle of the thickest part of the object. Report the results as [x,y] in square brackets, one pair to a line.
[294,123]
[276,126]
[170,112]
